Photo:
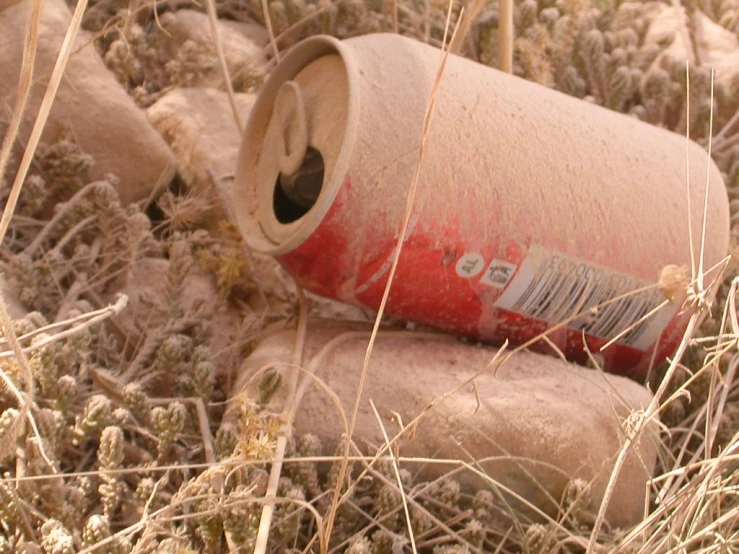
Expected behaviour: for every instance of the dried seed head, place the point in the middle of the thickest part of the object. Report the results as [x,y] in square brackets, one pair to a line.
[527,13]
[594,45]
[359,545]
[627,37]
[540,538]
[98,415]
[646,56]
[56,539]
[621,89]
[577,498]
[549,16]
[110,452]
[225,440]
[674,282]
[203,379]
[474,531]
[137,401]
[309,445]
[96,529]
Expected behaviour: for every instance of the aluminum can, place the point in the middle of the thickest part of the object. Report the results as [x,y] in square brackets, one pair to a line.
[531,207]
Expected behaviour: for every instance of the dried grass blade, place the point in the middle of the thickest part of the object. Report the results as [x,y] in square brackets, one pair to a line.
[393,268]
[213,21]
[24,83]
[46,103]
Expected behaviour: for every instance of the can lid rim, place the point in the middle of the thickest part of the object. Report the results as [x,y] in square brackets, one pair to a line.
[241,196]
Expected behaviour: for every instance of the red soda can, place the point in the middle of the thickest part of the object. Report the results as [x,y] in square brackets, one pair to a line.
[531,207]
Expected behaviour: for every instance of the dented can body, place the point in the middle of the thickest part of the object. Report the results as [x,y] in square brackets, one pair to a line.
[531,207]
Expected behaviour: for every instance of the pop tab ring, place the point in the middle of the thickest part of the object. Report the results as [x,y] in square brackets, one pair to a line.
[289,113]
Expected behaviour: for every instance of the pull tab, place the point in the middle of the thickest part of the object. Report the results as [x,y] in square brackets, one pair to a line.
[289,111]
[300,165]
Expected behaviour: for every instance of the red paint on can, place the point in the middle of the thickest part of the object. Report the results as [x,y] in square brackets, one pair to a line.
[429,290]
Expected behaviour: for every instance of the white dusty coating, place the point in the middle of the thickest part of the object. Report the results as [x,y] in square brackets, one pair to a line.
[90,103]
[506,159]
[541,421]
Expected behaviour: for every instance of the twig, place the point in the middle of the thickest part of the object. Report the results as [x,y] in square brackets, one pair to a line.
[204,423]
[260,546]
[699,276]
[466,18]
[505,36]
[270,30]
[722,133]
[641,423]
[687,166]
[133,6]
[63,210]
[24,83]
[94,317]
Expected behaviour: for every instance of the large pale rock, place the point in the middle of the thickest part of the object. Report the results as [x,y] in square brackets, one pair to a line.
[715,47]
[534,425]
[243,46]
[90,103]
[199,125]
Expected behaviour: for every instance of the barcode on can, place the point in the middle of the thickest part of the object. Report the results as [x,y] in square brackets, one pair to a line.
[552,287]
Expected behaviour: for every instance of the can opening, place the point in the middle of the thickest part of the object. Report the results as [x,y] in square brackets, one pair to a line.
[296,194]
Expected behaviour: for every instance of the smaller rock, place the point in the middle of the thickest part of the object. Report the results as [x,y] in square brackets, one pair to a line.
[90,104]
[534,425]
[199,125]
[243,46]
[715,47]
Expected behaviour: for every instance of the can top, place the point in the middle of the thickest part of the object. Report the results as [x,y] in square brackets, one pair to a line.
[296,146]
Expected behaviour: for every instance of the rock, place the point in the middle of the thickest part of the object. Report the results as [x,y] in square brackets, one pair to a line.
[243,46]
[90,104]
[199,126]
[535,425]
[715,47]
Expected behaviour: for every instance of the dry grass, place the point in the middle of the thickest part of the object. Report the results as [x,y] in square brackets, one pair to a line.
[105,430]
